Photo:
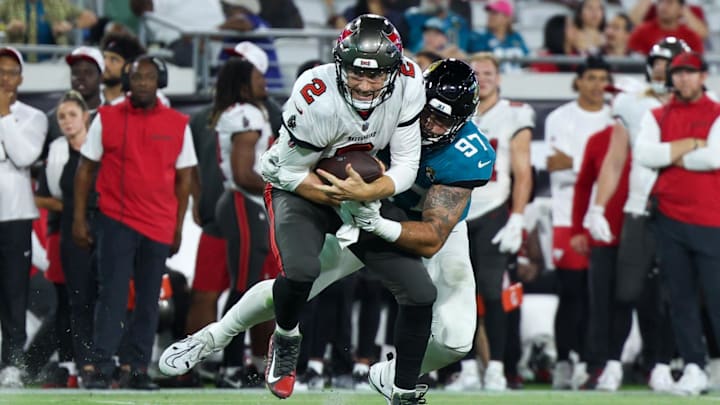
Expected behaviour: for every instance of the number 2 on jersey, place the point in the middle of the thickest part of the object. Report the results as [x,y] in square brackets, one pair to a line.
[317,87]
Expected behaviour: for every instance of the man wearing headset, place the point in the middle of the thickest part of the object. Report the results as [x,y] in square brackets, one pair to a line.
[145,154]
[681,140]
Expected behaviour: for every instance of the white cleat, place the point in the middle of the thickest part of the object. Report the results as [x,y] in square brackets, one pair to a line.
[562,376]
[11,377]
[611,378]
[185,354]
[661,379]
[693,382]
[713,370]
[381,378]
[579,376]
[495,377]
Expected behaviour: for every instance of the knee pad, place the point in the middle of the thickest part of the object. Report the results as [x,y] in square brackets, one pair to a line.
[456,270]
[437,355]
[420,295]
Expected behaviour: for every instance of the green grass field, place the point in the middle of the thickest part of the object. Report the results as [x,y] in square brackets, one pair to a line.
[261,397]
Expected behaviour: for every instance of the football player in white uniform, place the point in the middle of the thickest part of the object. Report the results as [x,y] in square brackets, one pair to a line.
[243,130]
[495,220]
[567,129]
[636,254]
[370,98]
[452,165]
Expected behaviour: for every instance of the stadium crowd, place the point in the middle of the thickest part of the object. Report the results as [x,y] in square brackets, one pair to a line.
[94,192]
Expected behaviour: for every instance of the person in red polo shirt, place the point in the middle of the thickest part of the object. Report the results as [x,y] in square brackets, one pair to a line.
[682,141]
[146,155]
[667,23]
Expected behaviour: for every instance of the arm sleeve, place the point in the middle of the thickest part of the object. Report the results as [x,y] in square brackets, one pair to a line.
[649,151]
[524,118]
[187,157]
[583,187]
[92,149]
[404,156]
[707,158]
[23,141]
[293,162]
[241,118]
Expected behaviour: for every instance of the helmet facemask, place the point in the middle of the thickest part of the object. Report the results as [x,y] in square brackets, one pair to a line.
[452,95]
[347,74]
[432,118]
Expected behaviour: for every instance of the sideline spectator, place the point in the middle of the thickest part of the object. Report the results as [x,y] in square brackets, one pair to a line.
[22,133]
[567,129]
[86,71]
[117,49]
[682,138]
[617,35]
[242,15]
[636,283]
[281,14]
[693,15]
[435,40]
[143,187]
[667,23]
[455,26]
[554,34]
[191,15]
[379,7]
[73,319]
[585,34]
[499,37]
[43,21]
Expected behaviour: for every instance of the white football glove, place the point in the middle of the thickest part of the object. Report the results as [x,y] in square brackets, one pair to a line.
[365,215]
[510,236]
[596,223]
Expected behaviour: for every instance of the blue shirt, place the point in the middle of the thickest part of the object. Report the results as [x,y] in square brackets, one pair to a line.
[513,45]
[466,162]
[273,75]
[455,27]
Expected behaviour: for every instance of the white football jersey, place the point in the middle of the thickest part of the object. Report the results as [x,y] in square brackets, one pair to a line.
[500,124]
[242,117]
[317,118]
[567,129]
[630,108]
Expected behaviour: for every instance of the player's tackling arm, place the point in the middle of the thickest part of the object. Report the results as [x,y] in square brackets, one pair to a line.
[443,209]
[612,165]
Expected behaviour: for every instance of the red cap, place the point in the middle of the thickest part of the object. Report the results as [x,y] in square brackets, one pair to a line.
[688,61]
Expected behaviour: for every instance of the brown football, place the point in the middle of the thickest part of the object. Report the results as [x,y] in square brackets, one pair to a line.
[362,162]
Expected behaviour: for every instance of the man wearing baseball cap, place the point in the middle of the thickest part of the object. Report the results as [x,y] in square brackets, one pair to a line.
[22,132]
[117,50]
[681,140]
[499,38]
